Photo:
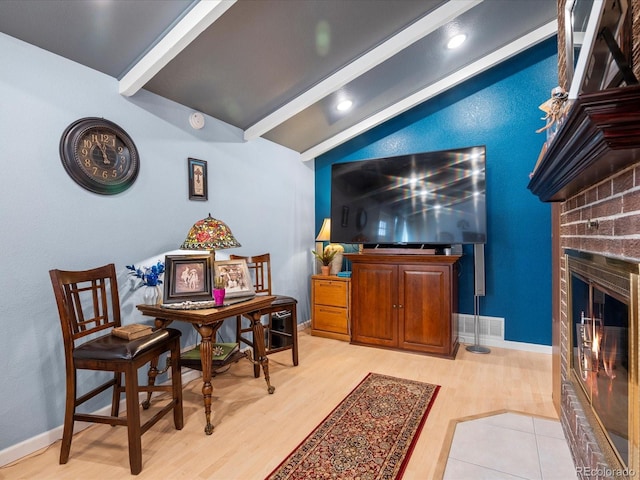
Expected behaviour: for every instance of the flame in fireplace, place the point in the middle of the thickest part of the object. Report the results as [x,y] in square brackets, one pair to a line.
[595,350]
[609,355]
[603,347]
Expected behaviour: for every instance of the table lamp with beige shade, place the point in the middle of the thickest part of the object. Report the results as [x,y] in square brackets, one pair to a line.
[325,236]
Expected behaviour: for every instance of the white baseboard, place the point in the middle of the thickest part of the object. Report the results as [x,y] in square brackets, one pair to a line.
[303,325]
[491,334]
[525,347]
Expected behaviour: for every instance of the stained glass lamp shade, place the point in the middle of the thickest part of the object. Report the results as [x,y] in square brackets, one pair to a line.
[209,234]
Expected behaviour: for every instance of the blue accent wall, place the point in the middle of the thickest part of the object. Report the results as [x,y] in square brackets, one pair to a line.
[498,109]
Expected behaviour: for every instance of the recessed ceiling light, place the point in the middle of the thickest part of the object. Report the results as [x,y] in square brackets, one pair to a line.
[344,105]
[456,41]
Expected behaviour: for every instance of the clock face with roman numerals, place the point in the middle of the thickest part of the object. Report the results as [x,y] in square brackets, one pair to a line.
[99,155]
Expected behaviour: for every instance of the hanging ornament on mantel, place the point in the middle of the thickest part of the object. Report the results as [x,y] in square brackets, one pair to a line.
[556,109]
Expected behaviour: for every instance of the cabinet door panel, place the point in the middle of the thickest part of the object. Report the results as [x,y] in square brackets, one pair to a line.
[425,312]
[373,300]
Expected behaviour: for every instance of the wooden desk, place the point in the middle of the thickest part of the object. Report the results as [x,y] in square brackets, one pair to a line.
[207,322]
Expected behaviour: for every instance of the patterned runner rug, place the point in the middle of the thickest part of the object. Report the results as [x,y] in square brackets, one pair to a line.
[369,435]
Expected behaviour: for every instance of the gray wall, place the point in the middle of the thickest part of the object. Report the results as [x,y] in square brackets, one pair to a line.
[261,190]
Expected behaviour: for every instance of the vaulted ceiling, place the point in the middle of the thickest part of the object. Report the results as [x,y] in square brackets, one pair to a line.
[277,68]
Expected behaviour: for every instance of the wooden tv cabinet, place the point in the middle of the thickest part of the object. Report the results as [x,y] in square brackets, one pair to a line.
[405,302]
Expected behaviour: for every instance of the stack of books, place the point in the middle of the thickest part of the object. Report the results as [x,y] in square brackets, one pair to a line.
[222,352]
[132,331]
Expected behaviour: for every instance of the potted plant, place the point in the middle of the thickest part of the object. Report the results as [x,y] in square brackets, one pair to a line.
[325,257]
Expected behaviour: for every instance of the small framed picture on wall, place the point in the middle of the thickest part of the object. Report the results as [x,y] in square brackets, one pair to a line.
[198,187]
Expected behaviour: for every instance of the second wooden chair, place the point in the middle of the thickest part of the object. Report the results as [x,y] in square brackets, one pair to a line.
[282,326]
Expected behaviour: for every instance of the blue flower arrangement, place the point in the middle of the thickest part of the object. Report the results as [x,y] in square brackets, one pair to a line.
[149,276]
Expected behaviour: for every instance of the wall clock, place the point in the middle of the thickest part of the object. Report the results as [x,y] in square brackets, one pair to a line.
[99,155]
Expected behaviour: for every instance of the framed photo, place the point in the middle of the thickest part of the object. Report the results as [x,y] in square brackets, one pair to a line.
[235,278]
[187,277]
[198,187]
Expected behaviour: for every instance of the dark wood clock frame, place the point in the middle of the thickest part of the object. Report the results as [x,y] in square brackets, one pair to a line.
[99,155]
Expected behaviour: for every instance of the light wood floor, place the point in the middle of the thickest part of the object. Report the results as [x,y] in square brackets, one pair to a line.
[254,431]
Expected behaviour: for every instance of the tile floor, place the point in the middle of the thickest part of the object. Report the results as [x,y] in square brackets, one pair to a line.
[509,446]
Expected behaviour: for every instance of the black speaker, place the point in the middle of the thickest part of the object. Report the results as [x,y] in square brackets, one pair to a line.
[281,330]
[478,268]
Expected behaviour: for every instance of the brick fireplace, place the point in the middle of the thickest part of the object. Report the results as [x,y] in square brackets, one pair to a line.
[592,170]
[603,219]
[591,173]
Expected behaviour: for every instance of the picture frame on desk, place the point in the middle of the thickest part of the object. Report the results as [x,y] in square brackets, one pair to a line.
[235,277]
[198,185]
[187,278]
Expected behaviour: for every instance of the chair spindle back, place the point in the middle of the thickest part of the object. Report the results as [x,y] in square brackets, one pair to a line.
[88,301]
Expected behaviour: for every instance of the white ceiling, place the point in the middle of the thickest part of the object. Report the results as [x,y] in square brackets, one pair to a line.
[277,68]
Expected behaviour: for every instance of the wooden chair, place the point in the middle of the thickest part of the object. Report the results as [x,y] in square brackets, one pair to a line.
[260,271]
[88,305]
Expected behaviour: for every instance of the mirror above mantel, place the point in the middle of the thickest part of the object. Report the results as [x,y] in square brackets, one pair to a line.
[597,45]
[576,15]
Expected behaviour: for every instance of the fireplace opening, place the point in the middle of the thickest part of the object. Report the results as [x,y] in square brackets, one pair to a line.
[603,354]
[601,357]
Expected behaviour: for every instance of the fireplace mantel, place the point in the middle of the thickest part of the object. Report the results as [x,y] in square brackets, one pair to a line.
[600,136]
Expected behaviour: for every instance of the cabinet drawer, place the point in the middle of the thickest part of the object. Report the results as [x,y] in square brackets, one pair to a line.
[330,318]
[328,292]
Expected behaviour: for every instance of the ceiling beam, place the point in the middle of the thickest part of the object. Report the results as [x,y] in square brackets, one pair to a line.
[431,91]
[361,65]
[201,16]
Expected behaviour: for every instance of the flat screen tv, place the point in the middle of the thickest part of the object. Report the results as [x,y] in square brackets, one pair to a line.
[429,199]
